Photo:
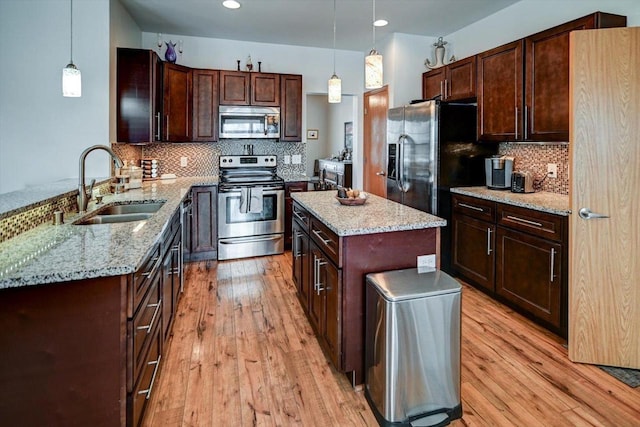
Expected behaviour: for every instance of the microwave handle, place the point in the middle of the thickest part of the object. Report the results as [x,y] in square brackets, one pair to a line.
[266,123]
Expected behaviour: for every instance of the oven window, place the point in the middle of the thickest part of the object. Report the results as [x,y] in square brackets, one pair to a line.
[269,210]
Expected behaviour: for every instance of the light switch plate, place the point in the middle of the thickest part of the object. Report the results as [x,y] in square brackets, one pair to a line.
[296,159]
[287,159]
[184,161]
[426,263]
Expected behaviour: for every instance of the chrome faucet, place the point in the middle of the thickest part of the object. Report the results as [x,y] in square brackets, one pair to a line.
[83,196]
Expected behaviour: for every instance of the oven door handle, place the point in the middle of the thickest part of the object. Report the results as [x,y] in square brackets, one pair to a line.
[265,190]
[231,240]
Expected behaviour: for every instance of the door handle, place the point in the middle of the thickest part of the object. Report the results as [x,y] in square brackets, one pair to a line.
[585,213]
[489,250]
[381,173]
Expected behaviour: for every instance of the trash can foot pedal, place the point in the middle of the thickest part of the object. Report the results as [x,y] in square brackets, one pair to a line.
[434,420]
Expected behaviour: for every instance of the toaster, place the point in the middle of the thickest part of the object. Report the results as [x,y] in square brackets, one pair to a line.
[522,182]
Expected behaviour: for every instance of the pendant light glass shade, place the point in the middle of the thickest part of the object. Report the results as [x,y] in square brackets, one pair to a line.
[71,81]
[71,77]
[373,70]
[335,90]
[373,62]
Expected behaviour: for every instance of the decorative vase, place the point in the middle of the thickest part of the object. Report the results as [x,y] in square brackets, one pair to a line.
[439,55]
[170,54]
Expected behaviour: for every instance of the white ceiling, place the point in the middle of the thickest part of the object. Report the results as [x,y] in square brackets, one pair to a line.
[309,22]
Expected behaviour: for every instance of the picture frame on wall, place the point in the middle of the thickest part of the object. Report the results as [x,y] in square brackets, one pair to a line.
[312,133]
[348,136]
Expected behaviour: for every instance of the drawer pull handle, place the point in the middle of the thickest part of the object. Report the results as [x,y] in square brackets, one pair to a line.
[300,217]
[317,285]
[464,205]
[524,221]
[153,318]
[489,250]
[150,272]
[153,377]
[318,233]
[553,263]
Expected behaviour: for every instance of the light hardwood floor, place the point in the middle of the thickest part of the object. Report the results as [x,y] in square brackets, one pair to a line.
[243,353]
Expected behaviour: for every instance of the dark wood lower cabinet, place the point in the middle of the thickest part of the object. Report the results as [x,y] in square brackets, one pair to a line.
[290,187]
[204,226]
[329,272]
[86,352]
[529,273]
[519,257]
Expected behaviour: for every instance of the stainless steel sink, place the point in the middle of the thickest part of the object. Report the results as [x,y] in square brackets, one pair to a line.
[131,208]
[114,218]
[121,213]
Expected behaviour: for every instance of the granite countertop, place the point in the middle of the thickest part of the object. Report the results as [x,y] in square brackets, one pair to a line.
[377,215]
[541,201]
[52,254]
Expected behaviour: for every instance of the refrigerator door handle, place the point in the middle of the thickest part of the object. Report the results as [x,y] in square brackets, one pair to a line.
[399,162]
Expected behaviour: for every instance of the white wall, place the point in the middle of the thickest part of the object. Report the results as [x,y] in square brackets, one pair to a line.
[338,115]
[316,115]
[123,32]
[42,133]
[528,17]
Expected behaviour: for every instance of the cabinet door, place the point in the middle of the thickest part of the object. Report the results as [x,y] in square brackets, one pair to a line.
[433,83]
[331,287]
[177,103]
[234,88]
[460,79]
[473,254]
[167,292]
[290,187]
[529,274]
[290,108]
[204,227]
[500,94]
[205,105]
[265,89]
[300,254]
[139,95]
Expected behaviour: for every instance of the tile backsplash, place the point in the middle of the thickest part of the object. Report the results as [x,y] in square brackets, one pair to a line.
[202,158]
[534,158]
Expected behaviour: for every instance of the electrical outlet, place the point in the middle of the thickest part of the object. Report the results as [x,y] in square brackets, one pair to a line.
[552,170]
[287,159]
[296,159]
[426,263]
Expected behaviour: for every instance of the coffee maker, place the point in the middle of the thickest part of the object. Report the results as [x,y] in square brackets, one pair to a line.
[498,170]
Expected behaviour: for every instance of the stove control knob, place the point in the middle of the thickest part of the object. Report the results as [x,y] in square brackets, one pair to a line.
[224,160]
[230,160]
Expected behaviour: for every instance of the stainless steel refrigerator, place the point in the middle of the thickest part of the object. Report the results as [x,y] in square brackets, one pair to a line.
[432,147]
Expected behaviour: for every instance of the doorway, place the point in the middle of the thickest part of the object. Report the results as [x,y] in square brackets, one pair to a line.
[376,104]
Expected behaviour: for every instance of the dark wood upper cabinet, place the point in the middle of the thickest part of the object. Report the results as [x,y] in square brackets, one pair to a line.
[234,87]
[290,107]
[139,95]
[500,92]
[205,105]
[453,82]
[177,103]
[523,87]
[265,89]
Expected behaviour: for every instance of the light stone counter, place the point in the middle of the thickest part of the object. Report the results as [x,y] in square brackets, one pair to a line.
[377,215]
[541,201]
[52,254]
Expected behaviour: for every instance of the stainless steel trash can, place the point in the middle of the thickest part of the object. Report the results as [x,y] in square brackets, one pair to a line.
[412,348]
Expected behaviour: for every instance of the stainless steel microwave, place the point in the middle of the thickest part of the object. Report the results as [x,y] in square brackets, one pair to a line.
[249,122]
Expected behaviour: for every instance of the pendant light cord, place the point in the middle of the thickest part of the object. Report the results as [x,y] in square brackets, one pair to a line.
[71,60]
[334,37]
[373,25]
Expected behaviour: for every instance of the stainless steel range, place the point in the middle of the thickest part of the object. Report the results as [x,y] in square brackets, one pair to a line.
[250,207]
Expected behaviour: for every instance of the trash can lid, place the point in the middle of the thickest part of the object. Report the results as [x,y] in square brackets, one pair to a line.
[399,285]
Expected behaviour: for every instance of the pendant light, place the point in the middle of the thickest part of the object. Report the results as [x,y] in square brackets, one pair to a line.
[335,84]
[373,61]
[71,77]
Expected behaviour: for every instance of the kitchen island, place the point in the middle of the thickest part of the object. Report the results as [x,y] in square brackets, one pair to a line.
[85,311]
[335,247]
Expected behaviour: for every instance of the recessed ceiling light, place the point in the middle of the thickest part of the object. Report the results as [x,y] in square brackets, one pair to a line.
[231,4]
[380,23]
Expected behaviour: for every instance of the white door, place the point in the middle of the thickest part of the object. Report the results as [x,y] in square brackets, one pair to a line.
[604,151]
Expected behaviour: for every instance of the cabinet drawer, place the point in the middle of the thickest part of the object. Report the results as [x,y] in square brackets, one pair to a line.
[327,240]
[301,215]
[141,393]
[546,225]
[474,207]
[142,326]
[142,280]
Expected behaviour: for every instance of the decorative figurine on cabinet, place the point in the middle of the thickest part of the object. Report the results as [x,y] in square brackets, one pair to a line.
[170,54]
